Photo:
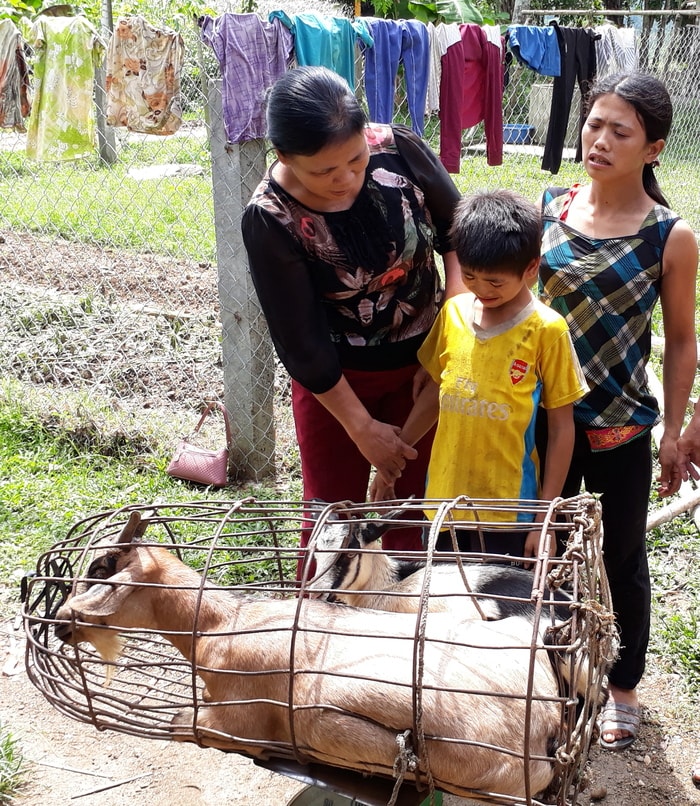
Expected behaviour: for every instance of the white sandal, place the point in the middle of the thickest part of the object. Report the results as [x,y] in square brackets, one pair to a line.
[617,716]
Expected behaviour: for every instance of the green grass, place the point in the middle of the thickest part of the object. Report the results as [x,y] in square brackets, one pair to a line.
[87,202]
[11,767]
[91,203]
[57,467]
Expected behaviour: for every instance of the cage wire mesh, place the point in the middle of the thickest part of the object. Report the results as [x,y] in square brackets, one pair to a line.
[357,683]
[112,269]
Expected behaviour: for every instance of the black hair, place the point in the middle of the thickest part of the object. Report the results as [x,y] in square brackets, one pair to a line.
[309,108]
[496,230]
[652,103]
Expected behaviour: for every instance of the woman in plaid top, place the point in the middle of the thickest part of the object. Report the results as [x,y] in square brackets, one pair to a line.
[611,250]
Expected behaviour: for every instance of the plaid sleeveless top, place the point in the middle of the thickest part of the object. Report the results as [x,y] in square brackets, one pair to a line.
[606,289]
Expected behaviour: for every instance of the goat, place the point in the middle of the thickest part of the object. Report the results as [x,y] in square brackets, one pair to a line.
[351,569]
[329,682]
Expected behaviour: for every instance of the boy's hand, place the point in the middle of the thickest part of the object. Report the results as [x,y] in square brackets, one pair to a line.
[381,491]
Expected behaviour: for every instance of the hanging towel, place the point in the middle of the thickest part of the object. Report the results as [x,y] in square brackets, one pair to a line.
[578,66]
[536,47]
[616,50]
[144,65]
[440,36]
[252,54]
[471,91]
[14,78]
[326,41]
[62,121]
[396,42]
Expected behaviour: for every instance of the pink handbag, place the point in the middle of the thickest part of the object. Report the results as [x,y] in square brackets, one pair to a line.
[200,465]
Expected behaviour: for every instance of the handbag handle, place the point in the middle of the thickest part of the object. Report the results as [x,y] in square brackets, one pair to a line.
[214,404]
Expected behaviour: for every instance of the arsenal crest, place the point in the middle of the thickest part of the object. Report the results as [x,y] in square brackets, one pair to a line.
[518,370]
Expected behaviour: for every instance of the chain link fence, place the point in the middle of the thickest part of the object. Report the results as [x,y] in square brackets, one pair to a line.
[124,286]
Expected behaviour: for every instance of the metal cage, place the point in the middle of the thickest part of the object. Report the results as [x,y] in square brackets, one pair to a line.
[250,548]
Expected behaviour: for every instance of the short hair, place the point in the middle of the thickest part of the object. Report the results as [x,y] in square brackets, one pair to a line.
[496,230]
[309,108]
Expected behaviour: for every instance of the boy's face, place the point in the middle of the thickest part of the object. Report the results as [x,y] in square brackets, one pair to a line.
[494,288]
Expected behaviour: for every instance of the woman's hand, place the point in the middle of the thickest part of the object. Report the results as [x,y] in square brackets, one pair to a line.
[671,462]
[378,442]
[383,448]
[689,449]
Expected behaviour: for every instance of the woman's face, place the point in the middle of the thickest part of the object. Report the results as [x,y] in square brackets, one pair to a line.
[333,176]
[613,140]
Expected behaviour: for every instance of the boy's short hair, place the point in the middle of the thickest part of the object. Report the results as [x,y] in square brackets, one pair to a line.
[496,230]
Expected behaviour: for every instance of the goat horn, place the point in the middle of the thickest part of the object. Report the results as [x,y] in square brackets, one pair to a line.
[372,530]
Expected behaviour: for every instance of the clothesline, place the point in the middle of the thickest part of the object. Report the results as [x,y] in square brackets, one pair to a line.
[458,70]
[597,12]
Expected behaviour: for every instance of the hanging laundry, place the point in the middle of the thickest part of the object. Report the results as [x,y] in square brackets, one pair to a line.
[15,102]
[578,66]
[471,91]
[61,126]
[616,50]
[326,41]
[252,54]
[396,42]
[536,47]
[144,64]
[440,36]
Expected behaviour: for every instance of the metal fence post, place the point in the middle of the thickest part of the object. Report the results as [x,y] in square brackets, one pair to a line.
[248,361]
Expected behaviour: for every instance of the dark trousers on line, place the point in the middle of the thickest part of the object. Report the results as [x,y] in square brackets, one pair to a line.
[578,66]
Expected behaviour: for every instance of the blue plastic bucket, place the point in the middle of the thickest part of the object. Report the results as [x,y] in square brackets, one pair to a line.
[518,134]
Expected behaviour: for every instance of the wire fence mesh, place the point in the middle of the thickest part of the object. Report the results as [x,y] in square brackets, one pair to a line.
[124,283]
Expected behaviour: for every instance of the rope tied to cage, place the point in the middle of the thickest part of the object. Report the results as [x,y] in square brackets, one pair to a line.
[406,761]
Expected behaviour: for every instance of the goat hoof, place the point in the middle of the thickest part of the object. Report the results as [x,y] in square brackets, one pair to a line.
[182,725]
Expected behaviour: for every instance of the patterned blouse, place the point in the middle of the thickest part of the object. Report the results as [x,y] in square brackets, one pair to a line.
[14,78]
[359,288]
[62,124]
[606,288]
[144,64]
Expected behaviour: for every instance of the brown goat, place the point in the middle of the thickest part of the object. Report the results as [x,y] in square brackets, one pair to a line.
[333,684]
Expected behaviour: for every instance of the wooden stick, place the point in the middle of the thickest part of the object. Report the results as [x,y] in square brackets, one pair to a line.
[674,509]
[110,786]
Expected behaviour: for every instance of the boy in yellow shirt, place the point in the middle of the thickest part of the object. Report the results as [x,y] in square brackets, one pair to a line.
[494,356]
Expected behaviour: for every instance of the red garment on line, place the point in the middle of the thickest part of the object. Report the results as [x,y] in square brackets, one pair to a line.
[471,90]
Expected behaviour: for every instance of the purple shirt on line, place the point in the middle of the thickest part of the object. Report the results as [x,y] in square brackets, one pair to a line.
[252,54]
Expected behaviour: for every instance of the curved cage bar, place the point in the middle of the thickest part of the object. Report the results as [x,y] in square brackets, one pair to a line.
[241,651]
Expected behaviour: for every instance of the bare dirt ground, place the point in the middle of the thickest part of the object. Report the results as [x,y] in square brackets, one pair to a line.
[71,762]
[68,761]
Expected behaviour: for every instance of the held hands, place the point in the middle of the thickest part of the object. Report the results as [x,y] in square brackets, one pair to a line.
[379,490]
[382,446]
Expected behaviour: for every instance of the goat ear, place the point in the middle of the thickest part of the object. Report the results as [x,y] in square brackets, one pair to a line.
[135,527]
[103,599]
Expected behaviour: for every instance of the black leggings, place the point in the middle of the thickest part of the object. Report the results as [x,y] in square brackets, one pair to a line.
[622,476]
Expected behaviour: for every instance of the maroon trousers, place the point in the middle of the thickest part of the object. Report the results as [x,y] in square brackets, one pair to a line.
[332,467]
